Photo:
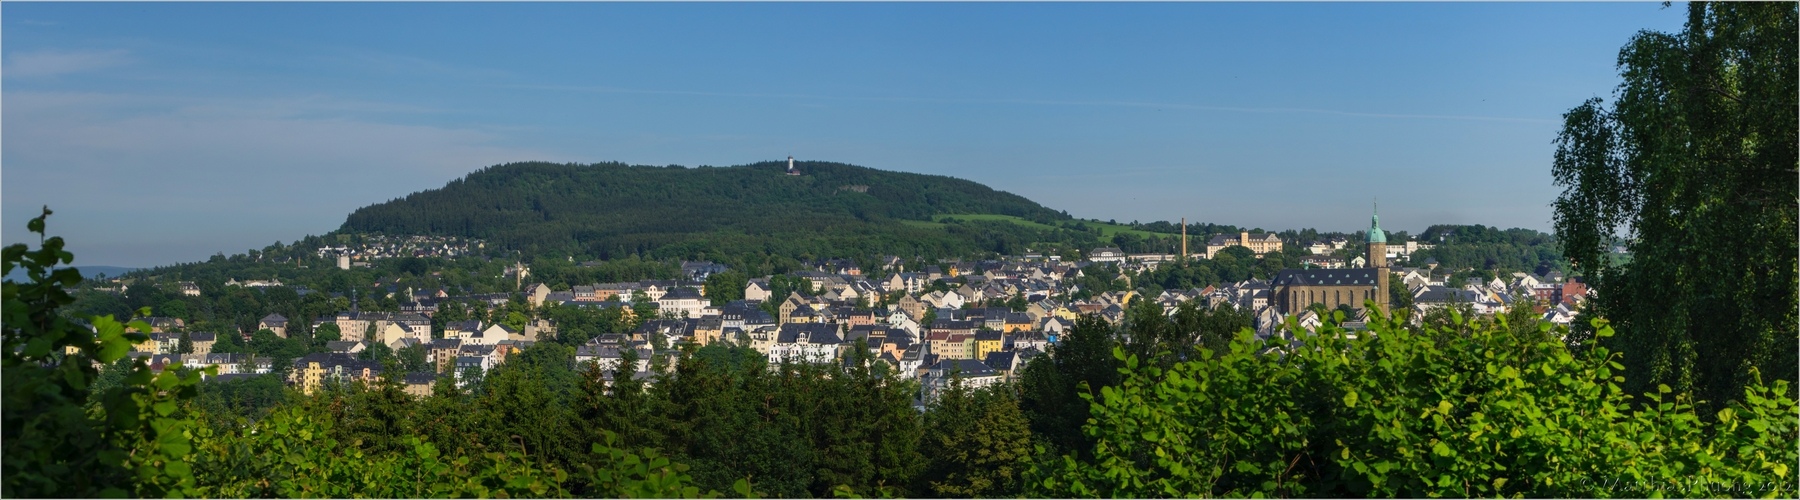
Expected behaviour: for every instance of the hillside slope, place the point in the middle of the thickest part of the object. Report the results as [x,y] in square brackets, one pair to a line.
[610,210]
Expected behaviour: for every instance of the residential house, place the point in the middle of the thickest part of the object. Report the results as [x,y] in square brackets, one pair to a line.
[460,329]
[943,300]
[805,343]
[971,373]
[860,318]
[535,293]
[700,270]
[393,333]
[535,330]
[609,354]
[1573,293]
[794,302]
[1027,340]
[899,320]
[708,329]
[913,362]
[494,334]
[988,342]
[159,324]
[418,384]
[758,290]
[203,342]
[1321,262]
[351,347]
[1562,314]
[954,326]
[914,308]
[274,323]
[313,371]
[355,325]
[762,338]
[1106,254]
[682,302]
[417,325]
[1053,327]
[1433,297]
[443,353]
[1007,363]
[481,364]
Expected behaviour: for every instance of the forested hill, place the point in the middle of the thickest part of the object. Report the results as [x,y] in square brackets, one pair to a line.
[609,210]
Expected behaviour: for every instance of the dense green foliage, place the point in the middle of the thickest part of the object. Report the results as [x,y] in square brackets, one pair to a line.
[72,431]
[1166,403]
[137,439]
[1053,388]
[1694,164]
[1482,409]
[1490,248]
[977,444]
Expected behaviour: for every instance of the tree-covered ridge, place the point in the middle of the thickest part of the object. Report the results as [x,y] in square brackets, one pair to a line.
[608,210]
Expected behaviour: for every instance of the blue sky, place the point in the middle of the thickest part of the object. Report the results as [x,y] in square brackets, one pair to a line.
[164,133]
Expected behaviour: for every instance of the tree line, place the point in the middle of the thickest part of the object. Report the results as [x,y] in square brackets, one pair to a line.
[1166,403]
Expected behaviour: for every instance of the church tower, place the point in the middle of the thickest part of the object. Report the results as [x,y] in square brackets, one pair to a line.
[1378,260]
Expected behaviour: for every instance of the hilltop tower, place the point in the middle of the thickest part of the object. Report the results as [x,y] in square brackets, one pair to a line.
[1378,259]
[791,170]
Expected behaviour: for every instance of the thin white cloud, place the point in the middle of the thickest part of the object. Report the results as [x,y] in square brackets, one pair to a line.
[1126,104]
[365,60]
[175,174]
[45,63]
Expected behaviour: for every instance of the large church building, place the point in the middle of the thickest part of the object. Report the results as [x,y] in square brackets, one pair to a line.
[1295,290]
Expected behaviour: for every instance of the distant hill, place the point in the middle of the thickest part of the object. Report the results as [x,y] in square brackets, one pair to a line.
[18,274]
[611,210]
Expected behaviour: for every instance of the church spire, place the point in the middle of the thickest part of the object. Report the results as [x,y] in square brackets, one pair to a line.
[1375,233]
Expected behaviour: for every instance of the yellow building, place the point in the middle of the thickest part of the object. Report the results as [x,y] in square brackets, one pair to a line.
[1017,323]
[988,341]
[308,375]
[315,370]
[788,306]
[1260,243]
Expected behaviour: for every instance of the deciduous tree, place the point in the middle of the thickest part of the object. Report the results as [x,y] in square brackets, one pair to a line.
[1693,164]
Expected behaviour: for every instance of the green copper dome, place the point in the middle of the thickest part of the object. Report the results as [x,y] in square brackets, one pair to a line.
[1375,233]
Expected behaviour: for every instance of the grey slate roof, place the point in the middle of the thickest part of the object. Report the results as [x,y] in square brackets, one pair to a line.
[1444,294]
[1330,277]
[817,333]
[1001,360]
[965,368]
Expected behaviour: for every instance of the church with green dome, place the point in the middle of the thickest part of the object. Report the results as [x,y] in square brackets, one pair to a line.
[1295,290]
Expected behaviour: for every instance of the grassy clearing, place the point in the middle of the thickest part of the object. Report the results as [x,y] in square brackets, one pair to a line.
[923,224]
[1106,230]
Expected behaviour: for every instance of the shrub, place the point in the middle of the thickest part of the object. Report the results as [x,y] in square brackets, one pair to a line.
[1396,410]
